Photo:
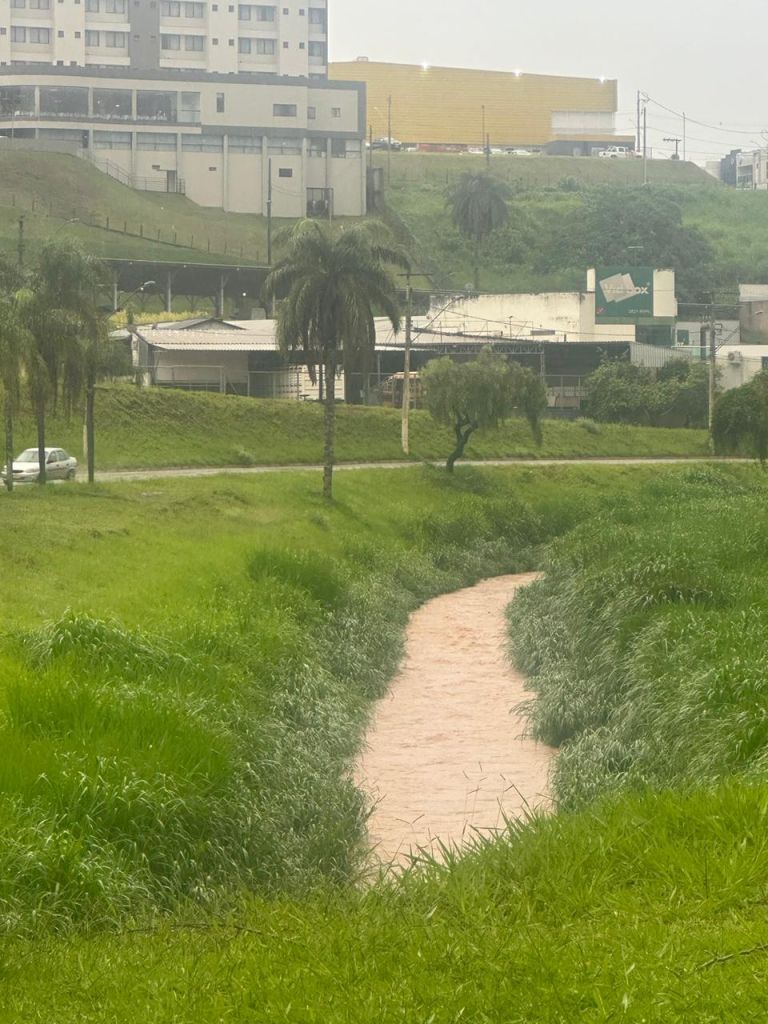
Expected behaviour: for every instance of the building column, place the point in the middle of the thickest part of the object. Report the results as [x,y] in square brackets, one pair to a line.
[169,291]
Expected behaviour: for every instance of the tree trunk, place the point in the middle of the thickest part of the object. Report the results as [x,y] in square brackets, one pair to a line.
[477,265]
[8,444]
[463,431]
[41,445]
[330,424]
[90,432]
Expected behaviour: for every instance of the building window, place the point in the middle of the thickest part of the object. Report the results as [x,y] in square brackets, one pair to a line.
[318,18]
[316,148]
[64,101]
[285,45]
[156,106]
[284,147]
[115,40]
[111,140]
[170,42]
[112,104]
[284,109]
[317,50]
[339,148]
[92,6]
[219,102]
[311,113]
[335,111]
[190,108]
[17,99]
[285,172]
[202,143]
[18,3]
[176,9]
[302,46]
[92,38]
[156,141]
[40,5]
[195,43]
[114,6]
[262,47]
[39,35]
[256,12]
[244,144]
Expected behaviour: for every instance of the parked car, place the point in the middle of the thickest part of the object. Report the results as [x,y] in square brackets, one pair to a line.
[518,152]
[614,153]
[58,466]
[394,144]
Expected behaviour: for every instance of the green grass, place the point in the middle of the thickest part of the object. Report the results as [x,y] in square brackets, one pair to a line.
[181,735]
[151,428]
[51,189]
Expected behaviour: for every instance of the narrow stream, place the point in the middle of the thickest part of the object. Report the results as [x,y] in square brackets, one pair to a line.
[445,758]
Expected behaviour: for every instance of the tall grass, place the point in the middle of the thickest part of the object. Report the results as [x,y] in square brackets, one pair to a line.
[645,641]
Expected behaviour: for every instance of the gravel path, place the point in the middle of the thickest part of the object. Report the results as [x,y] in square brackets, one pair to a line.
[444,757]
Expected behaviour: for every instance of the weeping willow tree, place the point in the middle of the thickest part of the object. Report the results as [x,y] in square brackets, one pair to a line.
[481,394]
[328,289]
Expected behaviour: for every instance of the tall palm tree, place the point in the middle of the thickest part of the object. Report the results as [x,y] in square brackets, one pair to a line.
[478,205]
[60,309]
[329,288]
[14,345]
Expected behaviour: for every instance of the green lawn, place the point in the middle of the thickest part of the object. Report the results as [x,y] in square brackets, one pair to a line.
[150,428]
[241,628]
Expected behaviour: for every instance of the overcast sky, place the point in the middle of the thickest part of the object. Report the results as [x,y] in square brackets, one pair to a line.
[689,55]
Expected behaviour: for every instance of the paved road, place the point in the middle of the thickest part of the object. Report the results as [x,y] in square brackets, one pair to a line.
[157,474]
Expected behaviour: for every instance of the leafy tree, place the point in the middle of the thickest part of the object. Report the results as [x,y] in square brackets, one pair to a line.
[481,394]
[14,344]
[620,392]
[741,419]
[60,309]
[329,288]
[478,205]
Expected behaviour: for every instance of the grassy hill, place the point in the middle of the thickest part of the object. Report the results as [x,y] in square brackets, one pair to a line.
[52,189]
[138,428]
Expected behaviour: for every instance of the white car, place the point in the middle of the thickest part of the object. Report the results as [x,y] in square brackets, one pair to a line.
[614,153]
[58,466]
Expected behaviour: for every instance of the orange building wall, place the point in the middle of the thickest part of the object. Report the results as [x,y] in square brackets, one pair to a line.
[444,105]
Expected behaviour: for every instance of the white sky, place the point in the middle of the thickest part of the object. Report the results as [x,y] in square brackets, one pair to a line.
[704,58]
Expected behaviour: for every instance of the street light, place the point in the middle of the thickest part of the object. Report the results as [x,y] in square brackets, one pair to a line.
[136,291]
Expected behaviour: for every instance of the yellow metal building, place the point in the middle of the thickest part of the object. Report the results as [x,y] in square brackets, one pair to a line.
[444,106]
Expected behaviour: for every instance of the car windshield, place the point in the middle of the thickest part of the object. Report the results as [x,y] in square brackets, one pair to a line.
[30,455]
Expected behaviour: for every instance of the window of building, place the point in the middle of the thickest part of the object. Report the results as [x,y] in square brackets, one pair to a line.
[284,109]
[18,34]
[156,141]
[64,101]
[114,6]
[284,147]
[318,17]
[219,102]
[285,172]
[311,113]
[286,45]
[170,42]
[316,148]
[112,104]
[115,40]
[190,108]
[262,47]
[18,3]
[39,35]
[244,144]
[176,9]
[335,111]
[111,140]
[40,5]
[92,38]
[256,12]
[156,106]
[302,46]
[202,143]
[317,50]
[92,6]
[195,43]
[339,148]
[17,99]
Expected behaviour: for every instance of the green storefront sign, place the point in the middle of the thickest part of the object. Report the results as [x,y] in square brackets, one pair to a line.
[624,294]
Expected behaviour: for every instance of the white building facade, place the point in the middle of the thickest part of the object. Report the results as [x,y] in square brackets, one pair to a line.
[229,103]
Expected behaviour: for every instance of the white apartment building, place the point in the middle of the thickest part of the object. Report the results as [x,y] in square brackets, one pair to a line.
[171,34]
[229,103]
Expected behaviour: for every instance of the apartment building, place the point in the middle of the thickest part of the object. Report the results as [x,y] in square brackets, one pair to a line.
[229,103]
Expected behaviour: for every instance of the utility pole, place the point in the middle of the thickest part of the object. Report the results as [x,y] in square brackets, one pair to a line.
[645,142]
[712,369]
[389,139]
[685,134]
[370,147]
[20,248]
[677,147]
[269,212]
[407,364]
[639,140]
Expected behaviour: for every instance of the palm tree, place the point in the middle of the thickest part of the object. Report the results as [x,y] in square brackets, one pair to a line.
[60,310]
[478,205]
[331,286]
[14,343]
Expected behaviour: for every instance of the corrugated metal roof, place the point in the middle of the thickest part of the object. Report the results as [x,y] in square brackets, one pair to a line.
[252,336]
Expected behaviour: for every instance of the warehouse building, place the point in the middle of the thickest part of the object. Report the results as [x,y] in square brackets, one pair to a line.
[449,107]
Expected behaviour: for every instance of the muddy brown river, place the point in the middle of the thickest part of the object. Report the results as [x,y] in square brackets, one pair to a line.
[445,756]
